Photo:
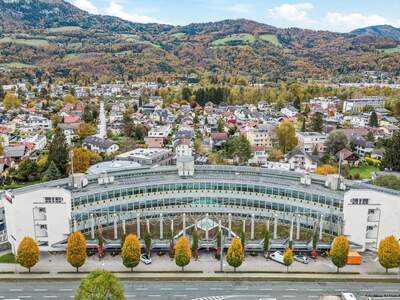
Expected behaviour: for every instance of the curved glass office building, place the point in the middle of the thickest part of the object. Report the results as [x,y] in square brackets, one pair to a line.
[50,211]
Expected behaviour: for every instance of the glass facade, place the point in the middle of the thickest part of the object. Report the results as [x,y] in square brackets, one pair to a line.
[138,191]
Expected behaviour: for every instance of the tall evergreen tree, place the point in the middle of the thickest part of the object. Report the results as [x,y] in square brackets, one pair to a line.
[373,119]
[58,152]
[317,122]
[391,159]
[52,173]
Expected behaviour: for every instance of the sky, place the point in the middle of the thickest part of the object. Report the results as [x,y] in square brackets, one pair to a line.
[334,15]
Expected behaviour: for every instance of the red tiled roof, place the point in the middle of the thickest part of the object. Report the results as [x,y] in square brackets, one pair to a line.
[72,119]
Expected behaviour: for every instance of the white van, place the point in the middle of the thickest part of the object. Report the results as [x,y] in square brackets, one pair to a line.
[277,256]
[348,296]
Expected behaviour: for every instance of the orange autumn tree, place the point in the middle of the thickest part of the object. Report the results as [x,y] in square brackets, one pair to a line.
[28,253]
[183,253]
[76,250]
[131,251]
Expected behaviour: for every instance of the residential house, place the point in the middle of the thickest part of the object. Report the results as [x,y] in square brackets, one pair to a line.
[299,159]
[312,141]
[100,145]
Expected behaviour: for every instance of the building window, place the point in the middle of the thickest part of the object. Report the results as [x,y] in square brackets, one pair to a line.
[358,201]
[53,200]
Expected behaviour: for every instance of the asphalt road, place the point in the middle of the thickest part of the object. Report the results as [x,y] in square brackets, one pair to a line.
[204,290]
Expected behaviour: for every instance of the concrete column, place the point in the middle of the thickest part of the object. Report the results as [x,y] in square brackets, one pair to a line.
[172,228]
[148,225]
[244,225]
[138,226]
[291,231]
[321,225]
[268,225]
[91,226]
[230,224]
[115,227]
[219,225]
[124,226]
[75,226]
[161,227]
[252,227]
[184,224]
[298,228]
[207,229]
[276,227]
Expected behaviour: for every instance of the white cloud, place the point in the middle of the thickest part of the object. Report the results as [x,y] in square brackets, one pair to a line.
[117,10]
[86,5]
[347,22]
[292,12]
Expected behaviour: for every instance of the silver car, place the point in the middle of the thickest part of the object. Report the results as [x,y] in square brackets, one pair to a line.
[144,258]
[301,258]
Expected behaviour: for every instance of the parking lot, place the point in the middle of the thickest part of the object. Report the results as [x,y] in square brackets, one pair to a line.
[206,263]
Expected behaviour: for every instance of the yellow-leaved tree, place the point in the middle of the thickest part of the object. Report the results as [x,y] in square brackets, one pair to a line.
[131,251]
[83,159]
[326,170]
[235,255]
[183,253]
[340,251]
[11,101]
[76,250]
[28,253]
[389,253]
[288,258]
[287,136]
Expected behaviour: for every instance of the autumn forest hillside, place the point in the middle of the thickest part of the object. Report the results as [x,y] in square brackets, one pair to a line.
[57,37]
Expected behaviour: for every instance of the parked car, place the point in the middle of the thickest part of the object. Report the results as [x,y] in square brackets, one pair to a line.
[277,256]
[144,258]
[301,258]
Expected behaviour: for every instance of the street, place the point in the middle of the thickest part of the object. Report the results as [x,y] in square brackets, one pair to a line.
[204,290]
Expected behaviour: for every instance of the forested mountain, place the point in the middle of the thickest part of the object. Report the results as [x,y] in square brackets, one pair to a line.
[55,36]
[383,31]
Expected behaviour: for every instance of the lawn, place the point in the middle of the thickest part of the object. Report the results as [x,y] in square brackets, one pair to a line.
[391,50]
[8,258]
[234,40]
[64,29]
[272,38]
[16,65]
[365,171]
[38,43]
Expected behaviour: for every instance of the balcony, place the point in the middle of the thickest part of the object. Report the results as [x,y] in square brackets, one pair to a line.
[374,216]
[41,233]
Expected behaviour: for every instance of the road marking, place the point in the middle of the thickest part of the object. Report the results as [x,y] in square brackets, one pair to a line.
[241,289]
[40,290]
[191,289]
[166,289]
[15,290]
[313,296]
[315,290]
[130,296]
[153,295]
[366,290]
[51,296]
[391,291]
[24,296]
[179,295]
[291,289]
[141,289]
[65,290]
[216,289]
[265,289]
[288,296]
